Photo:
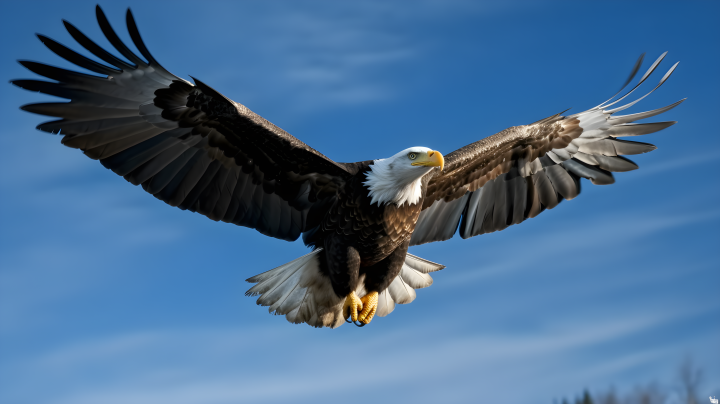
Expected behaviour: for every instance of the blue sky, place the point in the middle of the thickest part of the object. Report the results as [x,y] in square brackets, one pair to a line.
[110,296]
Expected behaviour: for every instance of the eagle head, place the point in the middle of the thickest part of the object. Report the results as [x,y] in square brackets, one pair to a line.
[398,179]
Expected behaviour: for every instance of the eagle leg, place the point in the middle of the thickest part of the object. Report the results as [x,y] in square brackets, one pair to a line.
[369,307]
[352,306]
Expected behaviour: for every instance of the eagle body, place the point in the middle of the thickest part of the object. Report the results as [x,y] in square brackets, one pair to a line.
[191,147]
[363,240]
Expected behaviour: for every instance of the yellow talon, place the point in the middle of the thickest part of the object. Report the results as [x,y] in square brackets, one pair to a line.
[352,306]
[369,307]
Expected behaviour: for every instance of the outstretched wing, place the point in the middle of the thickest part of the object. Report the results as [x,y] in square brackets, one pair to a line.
[186,144]
[517,173]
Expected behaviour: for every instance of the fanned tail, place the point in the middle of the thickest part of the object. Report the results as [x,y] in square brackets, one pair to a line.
[303,294]
[300,292]
[414,275]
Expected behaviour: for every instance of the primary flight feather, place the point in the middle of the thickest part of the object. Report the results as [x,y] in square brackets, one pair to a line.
[191,147]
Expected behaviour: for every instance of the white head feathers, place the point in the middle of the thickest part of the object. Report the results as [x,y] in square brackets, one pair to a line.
[395,179]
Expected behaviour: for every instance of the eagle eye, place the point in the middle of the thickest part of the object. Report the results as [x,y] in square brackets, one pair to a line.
[412,156]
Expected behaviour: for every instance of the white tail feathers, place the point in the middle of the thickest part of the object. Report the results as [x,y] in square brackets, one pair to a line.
[414,275]
[303,294]
[299,291]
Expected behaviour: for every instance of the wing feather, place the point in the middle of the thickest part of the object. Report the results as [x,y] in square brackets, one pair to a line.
[186,144]
[518,173]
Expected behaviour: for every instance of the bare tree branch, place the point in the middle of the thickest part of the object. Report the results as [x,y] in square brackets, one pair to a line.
[689,377]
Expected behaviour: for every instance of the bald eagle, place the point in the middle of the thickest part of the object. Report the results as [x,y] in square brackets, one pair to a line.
[192,147]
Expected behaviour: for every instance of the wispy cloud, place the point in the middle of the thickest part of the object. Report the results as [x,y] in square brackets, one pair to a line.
[612,231]
[47,269]
[677,163]
[206,370]
[316,55]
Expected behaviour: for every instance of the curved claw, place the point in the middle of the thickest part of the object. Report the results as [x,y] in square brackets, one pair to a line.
[348,321]
[359,324]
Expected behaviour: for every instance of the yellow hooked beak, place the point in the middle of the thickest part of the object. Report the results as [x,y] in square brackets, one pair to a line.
[431,159]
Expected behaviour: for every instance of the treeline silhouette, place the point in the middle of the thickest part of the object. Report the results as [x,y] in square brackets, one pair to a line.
[683,390]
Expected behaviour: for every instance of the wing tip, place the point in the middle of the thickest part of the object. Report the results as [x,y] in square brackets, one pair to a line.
[44,127]
[27,108]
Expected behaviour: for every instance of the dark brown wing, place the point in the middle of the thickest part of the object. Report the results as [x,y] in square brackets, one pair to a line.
[187,145]
[517,173]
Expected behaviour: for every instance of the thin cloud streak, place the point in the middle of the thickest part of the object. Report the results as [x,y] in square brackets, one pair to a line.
[210,382]
[677,163]
[575,249]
